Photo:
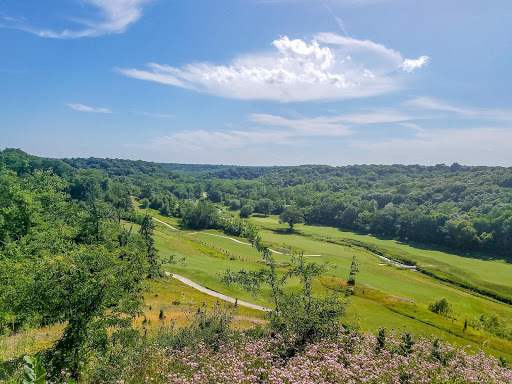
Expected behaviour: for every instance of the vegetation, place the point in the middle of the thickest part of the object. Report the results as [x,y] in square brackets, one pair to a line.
[442,307]
[79,248]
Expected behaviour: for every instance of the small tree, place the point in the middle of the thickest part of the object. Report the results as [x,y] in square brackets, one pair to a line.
[265,206]
[292,215]
[147,229]
[354,269]
[299,317]
[381,339]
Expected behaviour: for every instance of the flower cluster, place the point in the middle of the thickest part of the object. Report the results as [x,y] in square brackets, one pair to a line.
[352,358]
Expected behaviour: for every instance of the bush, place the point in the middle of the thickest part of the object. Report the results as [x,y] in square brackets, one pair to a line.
[441,307]
[302,319]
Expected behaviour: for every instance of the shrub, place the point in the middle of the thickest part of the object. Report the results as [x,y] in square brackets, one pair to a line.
[441,307]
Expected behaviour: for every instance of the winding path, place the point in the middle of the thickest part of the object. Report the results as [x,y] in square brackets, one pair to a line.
[224,237]
[218,295]
[164,223]
[241,242]
[388,260]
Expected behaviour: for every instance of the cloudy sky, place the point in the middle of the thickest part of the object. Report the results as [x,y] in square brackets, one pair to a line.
[259,82]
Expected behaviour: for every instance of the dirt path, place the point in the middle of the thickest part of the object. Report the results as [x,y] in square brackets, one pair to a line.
[218,295]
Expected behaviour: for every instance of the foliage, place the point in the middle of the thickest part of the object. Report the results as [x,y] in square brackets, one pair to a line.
[291,215]
[354,269]
[33,370]
[201,215]
[441,307]
[351,357]
[67,260]
[246,211]
[464,208]
[301,317]
[147,229]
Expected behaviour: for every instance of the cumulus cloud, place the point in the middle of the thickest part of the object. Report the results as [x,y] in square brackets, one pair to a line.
[113,16]
[409,65]
[296,70]
[86,108]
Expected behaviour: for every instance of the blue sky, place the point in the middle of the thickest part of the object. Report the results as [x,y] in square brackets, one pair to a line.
[259,82]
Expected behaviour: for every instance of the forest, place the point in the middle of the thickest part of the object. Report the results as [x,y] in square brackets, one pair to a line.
[459,207]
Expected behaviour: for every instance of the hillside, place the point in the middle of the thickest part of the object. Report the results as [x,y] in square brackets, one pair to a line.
[73,229]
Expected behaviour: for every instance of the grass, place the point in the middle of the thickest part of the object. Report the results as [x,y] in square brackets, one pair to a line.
[491,276]
[204,263]
[178,301]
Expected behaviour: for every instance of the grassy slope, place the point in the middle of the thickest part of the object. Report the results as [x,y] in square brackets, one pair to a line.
[492,276]
[204,268]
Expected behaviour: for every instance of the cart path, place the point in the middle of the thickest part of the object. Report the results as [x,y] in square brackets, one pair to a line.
[244,243]
[218,295]
[164,223]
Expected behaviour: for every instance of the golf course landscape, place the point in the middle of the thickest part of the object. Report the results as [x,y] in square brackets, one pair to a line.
[384,295]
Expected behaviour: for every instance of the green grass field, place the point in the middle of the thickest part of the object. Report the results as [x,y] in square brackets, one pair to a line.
[208,256]
[493,276]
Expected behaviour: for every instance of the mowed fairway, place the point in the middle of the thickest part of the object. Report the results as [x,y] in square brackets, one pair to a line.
[492,275]
[208,256]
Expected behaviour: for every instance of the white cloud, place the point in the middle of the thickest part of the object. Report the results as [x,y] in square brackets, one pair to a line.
[272,129]
[341,68]
[86,108]
[409,65]
[366,46]
[467,113]
[202,140]
[159,115]
[320,126]
[477,146]
[330,125]
[113,16]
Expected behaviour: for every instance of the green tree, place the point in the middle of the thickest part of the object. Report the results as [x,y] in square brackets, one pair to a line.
[441,307]
[300,317]
[201,215]
[147,229]
[354,269]
[95,292]
[246,211]
[264,206]
[292,215]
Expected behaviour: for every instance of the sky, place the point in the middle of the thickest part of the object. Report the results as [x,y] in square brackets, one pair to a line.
[259,82]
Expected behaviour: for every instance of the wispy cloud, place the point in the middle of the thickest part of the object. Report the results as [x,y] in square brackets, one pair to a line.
[268,129]
[409,65]
[337,19]
[339,125]
[340,68]
[158,115]
[476,146]
[113,16]
[86,108]
[490,114]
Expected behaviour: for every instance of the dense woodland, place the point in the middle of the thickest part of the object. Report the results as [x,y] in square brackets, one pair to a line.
[459,207]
